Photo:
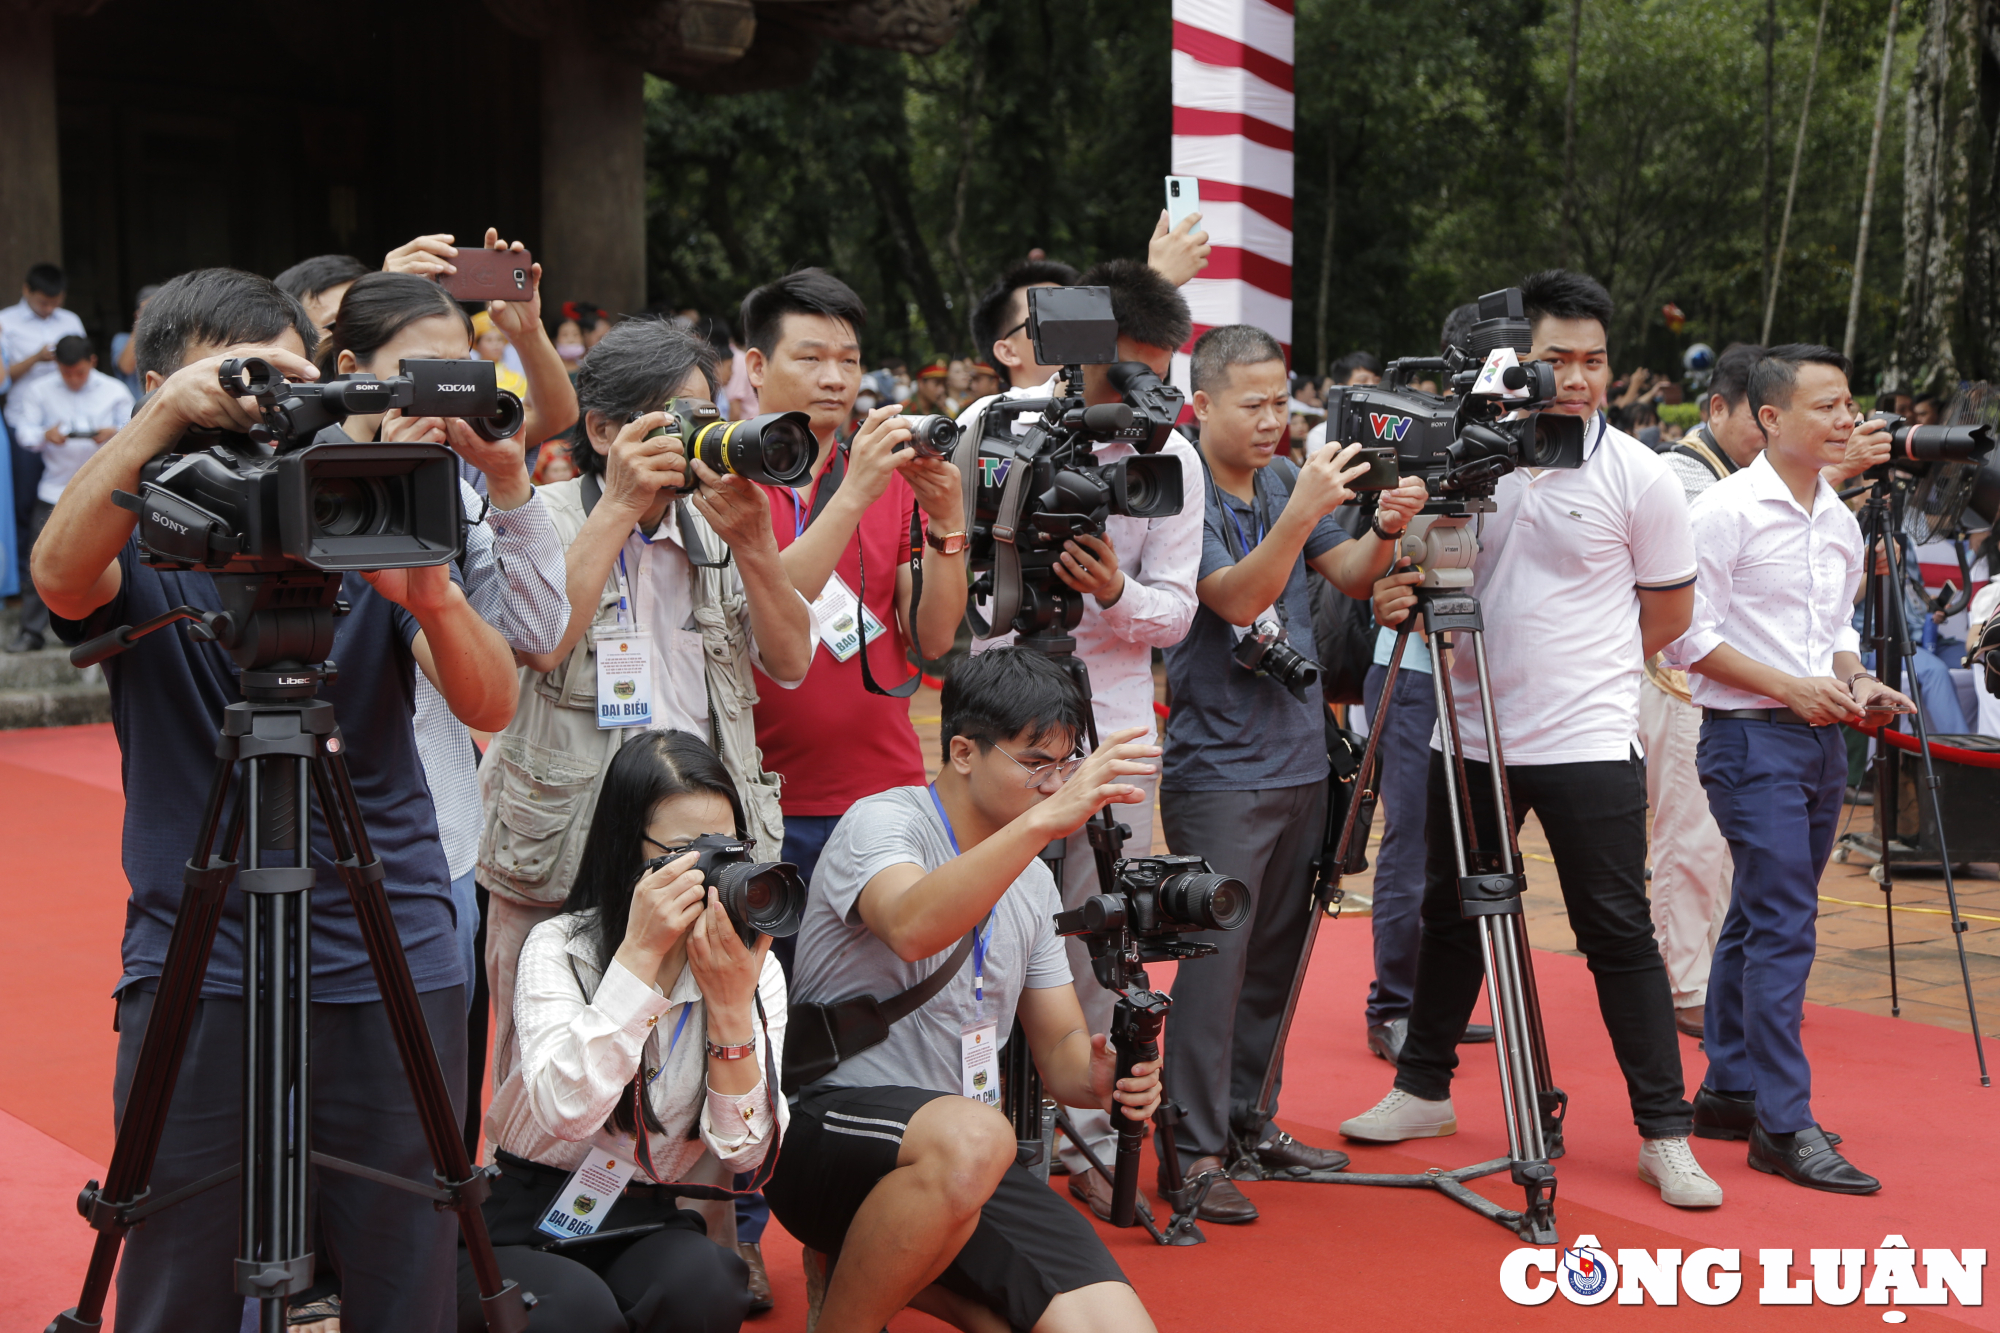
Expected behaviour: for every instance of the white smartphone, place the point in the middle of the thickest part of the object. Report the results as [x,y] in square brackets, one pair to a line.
[1183,198]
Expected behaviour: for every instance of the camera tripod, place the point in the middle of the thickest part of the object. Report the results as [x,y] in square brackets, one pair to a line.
[1140,1011]
[1884,626]
[291,753]
[1490,883]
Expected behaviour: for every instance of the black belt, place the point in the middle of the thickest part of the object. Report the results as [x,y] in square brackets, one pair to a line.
[1755,715]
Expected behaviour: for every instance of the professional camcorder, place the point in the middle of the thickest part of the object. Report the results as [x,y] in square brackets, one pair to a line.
[777,449]
[761,897]
[1030,492]
[282,499]
[1156,900]
[1461,444]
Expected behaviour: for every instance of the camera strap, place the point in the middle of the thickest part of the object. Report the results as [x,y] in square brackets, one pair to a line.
[1007,555]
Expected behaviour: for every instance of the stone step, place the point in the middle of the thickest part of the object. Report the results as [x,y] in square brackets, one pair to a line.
[62,706]
[47,669]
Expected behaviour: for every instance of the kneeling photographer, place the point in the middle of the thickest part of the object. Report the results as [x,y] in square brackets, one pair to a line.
[650,1029]
[1582,570]
[897,1160]
[168,693]
[1245,782]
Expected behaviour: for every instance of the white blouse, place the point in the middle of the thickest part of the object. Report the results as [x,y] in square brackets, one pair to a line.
[581,1040]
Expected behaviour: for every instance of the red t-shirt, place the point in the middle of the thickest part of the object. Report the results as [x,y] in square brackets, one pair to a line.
[833,740]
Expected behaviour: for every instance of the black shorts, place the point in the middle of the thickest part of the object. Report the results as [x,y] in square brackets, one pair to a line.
[1030,1245]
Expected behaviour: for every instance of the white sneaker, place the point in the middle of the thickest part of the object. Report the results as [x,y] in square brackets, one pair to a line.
[1400,1116]
[1669,1164]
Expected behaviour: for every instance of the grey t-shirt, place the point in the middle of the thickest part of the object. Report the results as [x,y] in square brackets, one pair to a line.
[1230,729]
[839,957]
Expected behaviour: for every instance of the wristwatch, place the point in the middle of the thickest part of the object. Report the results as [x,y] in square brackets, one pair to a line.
[1375,526]
[743,1052]
[946,543]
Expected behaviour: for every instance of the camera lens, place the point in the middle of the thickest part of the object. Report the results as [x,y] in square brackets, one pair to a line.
[932,436]
[1206,902]
[777,449]
[1933,444]
[348,506]
[761,897]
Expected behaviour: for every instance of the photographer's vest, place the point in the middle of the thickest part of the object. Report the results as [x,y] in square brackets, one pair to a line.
[1709,454]
[540,776]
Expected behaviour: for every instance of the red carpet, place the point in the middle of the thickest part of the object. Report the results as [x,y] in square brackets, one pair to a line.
[1902,1094]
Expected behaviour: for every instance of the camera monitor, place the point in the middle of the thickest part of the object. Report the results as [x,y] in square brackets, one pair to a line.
[1072,326]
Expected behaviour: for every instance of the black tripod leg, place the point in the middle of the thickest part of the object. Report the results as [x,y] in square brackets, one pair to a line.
[160,1051]
[505,1310]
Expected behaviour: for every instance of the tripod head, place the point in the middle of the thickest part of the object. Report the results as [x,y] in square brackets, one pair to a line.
[278,627]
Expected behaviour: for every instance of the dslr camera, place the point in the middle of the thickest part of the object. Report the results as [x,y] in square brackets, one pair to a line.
[761,897]
[1029,492]
[1462,443]
[1154,901]
[1263,649]
[777,449]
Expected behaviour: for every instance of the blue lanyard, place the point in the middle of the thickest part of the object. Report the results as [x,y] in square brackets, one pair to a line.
[672,1042]
[798,514]
[1256,517]
[979,942]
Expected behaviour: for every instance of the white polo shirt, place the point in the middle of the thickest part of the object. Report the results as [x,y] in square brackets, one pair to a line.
[103,403]
[1560,566]
[23,333]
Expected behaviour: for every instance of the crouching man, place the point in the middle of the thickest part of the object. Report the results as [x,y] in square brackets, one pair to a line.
[897,1162]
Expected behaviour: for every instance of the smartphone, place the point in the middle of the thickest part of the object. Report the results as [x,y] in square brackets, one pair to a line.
[1888,708]
[1382,474]
[1183,198]
[490,275]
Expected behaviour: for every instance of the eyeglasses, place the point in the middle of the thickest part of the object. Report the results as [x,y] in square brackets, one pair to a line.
[1011,332]
[1062,769]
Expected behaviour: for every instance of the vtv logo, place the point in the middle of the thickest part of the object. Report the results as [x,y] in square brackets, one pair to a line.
[1388,426]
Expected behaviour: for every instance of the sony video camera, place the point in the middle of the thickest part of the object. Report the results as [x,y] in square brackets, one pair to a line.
[1462,443]
[1030,491]
[279,499]
[1156,900]
[777,448]
[761,897]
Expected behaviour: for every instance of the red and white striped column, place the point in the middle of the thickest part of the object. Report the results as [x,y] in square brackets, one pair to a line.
[1233,130]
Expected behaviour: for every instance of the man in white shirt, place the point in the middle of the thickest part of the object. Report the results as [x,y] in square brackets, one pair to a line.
[1774,665]
[29,332]
[1137,588]
[63,417]
[1582,573]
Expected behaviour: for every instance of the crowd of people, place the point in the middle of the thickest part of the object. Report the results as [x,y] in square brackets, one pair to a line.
[542,868]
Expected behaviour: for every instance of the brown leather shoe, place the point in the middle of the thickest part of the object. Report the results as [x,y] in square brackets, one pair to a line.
[760,1281]
[1225,1203]
[1282,1152]
[1095,1190]
[1688,1021]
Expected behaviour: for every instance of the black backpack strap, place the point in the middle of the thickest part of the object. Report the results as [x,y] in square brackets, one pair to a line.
[916,997]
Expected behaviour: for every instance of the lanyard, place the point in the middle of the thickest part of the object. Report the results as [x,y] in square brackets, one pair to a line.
[979,941]
[1256,517]
[625,615]
[672,1042]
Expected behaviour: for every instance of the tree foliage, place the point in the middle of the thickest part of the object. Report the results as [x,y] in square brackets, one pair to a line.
[1432,130]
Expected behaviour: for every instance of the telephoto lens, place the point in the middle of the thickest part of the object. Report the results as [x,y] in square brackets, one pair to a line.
[1205,902]
[1934,444]
[932,436]
[777,449]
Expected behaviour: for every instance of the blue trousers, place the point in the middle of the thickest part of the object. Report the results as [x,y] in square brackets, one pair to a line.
[1775,789]
[1404,756]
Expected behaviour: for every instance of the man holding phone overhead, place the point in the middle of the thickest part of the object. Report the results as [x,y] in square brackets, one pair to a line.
[1774,664]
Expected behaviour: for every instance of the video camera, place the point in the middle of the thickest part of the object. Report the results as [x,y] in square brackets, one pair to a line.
[278,500]
[761,897]
[777,448]
[1155,900]
[1028,493]
[1494,420]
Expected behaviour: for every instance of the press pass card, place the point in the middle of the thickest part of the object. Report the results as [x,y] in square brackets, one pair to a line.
[979,1047]
[585,1199]
[624,678]
[839,616]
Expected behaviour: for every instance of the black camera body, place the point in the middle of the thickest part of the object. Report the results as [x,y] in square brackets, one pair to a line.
[1156,900]
[1029,493]
[1264,650]
[279,499]
[777,448]
[761,897]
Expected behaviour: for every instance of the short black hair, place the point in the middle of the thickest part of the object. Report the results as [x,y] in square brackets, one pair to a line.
[1731,380]
[309,277]
[635,368]
[1777,374]
[1457,330]
[73,350]
[1000,693]
[45,279]
[218,306]
[1559,293]
[1354,361]
[996,314]
[1148,308]
[807,291]
[1229,345]
[377,308]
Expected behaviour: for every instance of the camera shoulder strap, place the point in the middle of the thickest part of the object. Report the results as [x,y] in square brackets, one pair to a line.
[898,1007]
[868,681]
[1006,555]
[1705,451]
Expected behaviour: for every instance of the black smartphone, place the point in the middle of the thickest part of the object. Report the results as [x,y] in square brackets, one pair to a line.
[1382,473]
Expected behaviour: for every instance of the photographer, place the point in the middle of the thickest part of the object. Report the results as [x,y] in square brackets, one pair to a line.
[1775,668]
[167,695]
[1582,573]
[1246,769]
[1138,586]
[604,996]
[912,1185]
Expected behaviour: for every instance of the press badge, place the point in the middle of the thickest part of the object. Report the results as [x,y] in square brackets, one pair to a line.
[624,677]
[836,613]
[979,1049]
[585,1199]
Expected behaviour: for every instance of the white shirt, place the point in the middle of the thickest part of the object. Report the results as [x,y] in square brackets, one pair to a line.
[1774,582]
[661,579]
[22,334]
[45,401]
[1160,558]
[1558,574]
[581,1041]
